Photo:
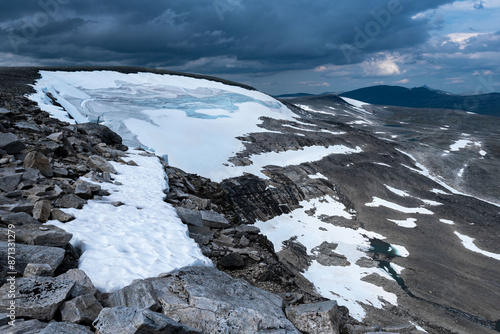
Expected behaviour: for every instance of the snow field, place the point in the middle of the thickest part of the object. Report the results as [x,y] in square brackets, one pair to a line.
[140,239]
[344,284]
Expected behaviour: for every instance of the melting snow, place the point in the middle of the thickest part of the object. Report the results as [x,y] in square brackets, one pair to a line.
[407,223]
[398,192]
[377,202]
[282,159]
[142,238]
[446,221]
[344,284]
[468,243]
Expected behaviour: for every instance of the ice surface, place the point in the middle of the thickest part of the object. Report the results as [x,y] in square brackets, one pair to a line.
[344,284]
[142,238]
[193,121]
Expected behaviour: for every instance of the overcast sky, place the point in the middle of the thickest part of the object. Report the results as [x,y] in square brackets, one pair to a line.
[284,46]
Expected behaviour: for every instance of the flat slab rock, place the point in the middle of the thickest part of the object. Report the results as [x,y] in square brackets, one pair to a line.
[208,300]
[33,254]
[128,320]
[37,297]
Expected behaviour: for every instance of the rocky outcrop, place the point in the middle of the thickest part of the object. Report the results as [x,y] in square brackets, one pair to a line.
[128,320]
[317,318]
[37,297]
[210,301]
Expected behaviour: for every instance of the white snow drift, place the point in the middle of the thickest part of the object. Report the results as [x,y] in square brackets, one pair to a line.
[140,239]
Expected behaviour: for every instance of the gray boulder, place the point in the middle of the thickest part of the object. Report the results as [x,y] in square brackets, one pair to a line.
[232,261]
[65,328]
[317,318]
[103,132]
[16,218]
[138,295]
[83,284]
[45,235]
[213,302]
[41,210]
[23,327]
[38,161]
[101,164]
[37,297]
[10,143]
[61,216]
[189,217]
[71,201]
[84,190]
[214,219]
[10,182]
[126,320]
[26,254]
[81,310]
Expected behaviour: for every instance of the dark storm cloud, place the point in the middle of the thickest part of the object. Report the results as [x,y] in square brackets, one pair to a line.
[211,36]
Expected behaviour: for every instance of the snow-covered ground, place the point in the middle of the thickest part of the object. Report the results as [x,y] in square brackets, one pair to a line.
[141,238]
[344,284]
[193,121]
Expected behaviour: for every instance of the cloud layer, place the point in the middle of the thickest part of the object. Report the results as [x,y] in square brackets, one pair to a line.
[247,40]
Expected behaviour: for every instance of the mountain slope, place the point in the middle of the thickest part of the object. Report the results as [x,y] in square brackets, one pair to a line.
[357,213]
[423,97]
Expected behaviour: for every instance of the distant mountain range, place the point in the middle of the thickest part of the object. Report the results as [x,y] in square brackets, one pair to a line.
[425,97]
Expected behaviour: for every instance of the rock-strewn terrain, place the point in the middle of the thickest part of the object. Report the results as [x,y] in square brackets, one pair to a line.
[254,287]
[43,163]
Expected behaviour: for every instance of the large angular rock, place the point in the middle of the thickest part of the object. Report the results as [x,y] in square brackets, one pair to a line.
[46,235]
[65,328]
[127,320]
[10,182]
[81,310]
[17,218]
[10,143]
[317,318]
[84,190]
[232,261]
[213,302]
[83,284]
[32,254]
[38,161]
[103,132]
[101,164]
[189,217]
[23,327]
[70,201]
[37,297]
[214,219]
[139,295]
[41,210]
[61,216]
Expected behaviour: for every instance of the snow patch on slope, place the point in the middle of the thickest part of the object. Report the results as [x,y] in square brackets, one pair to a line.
[344,284]
[140,239]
